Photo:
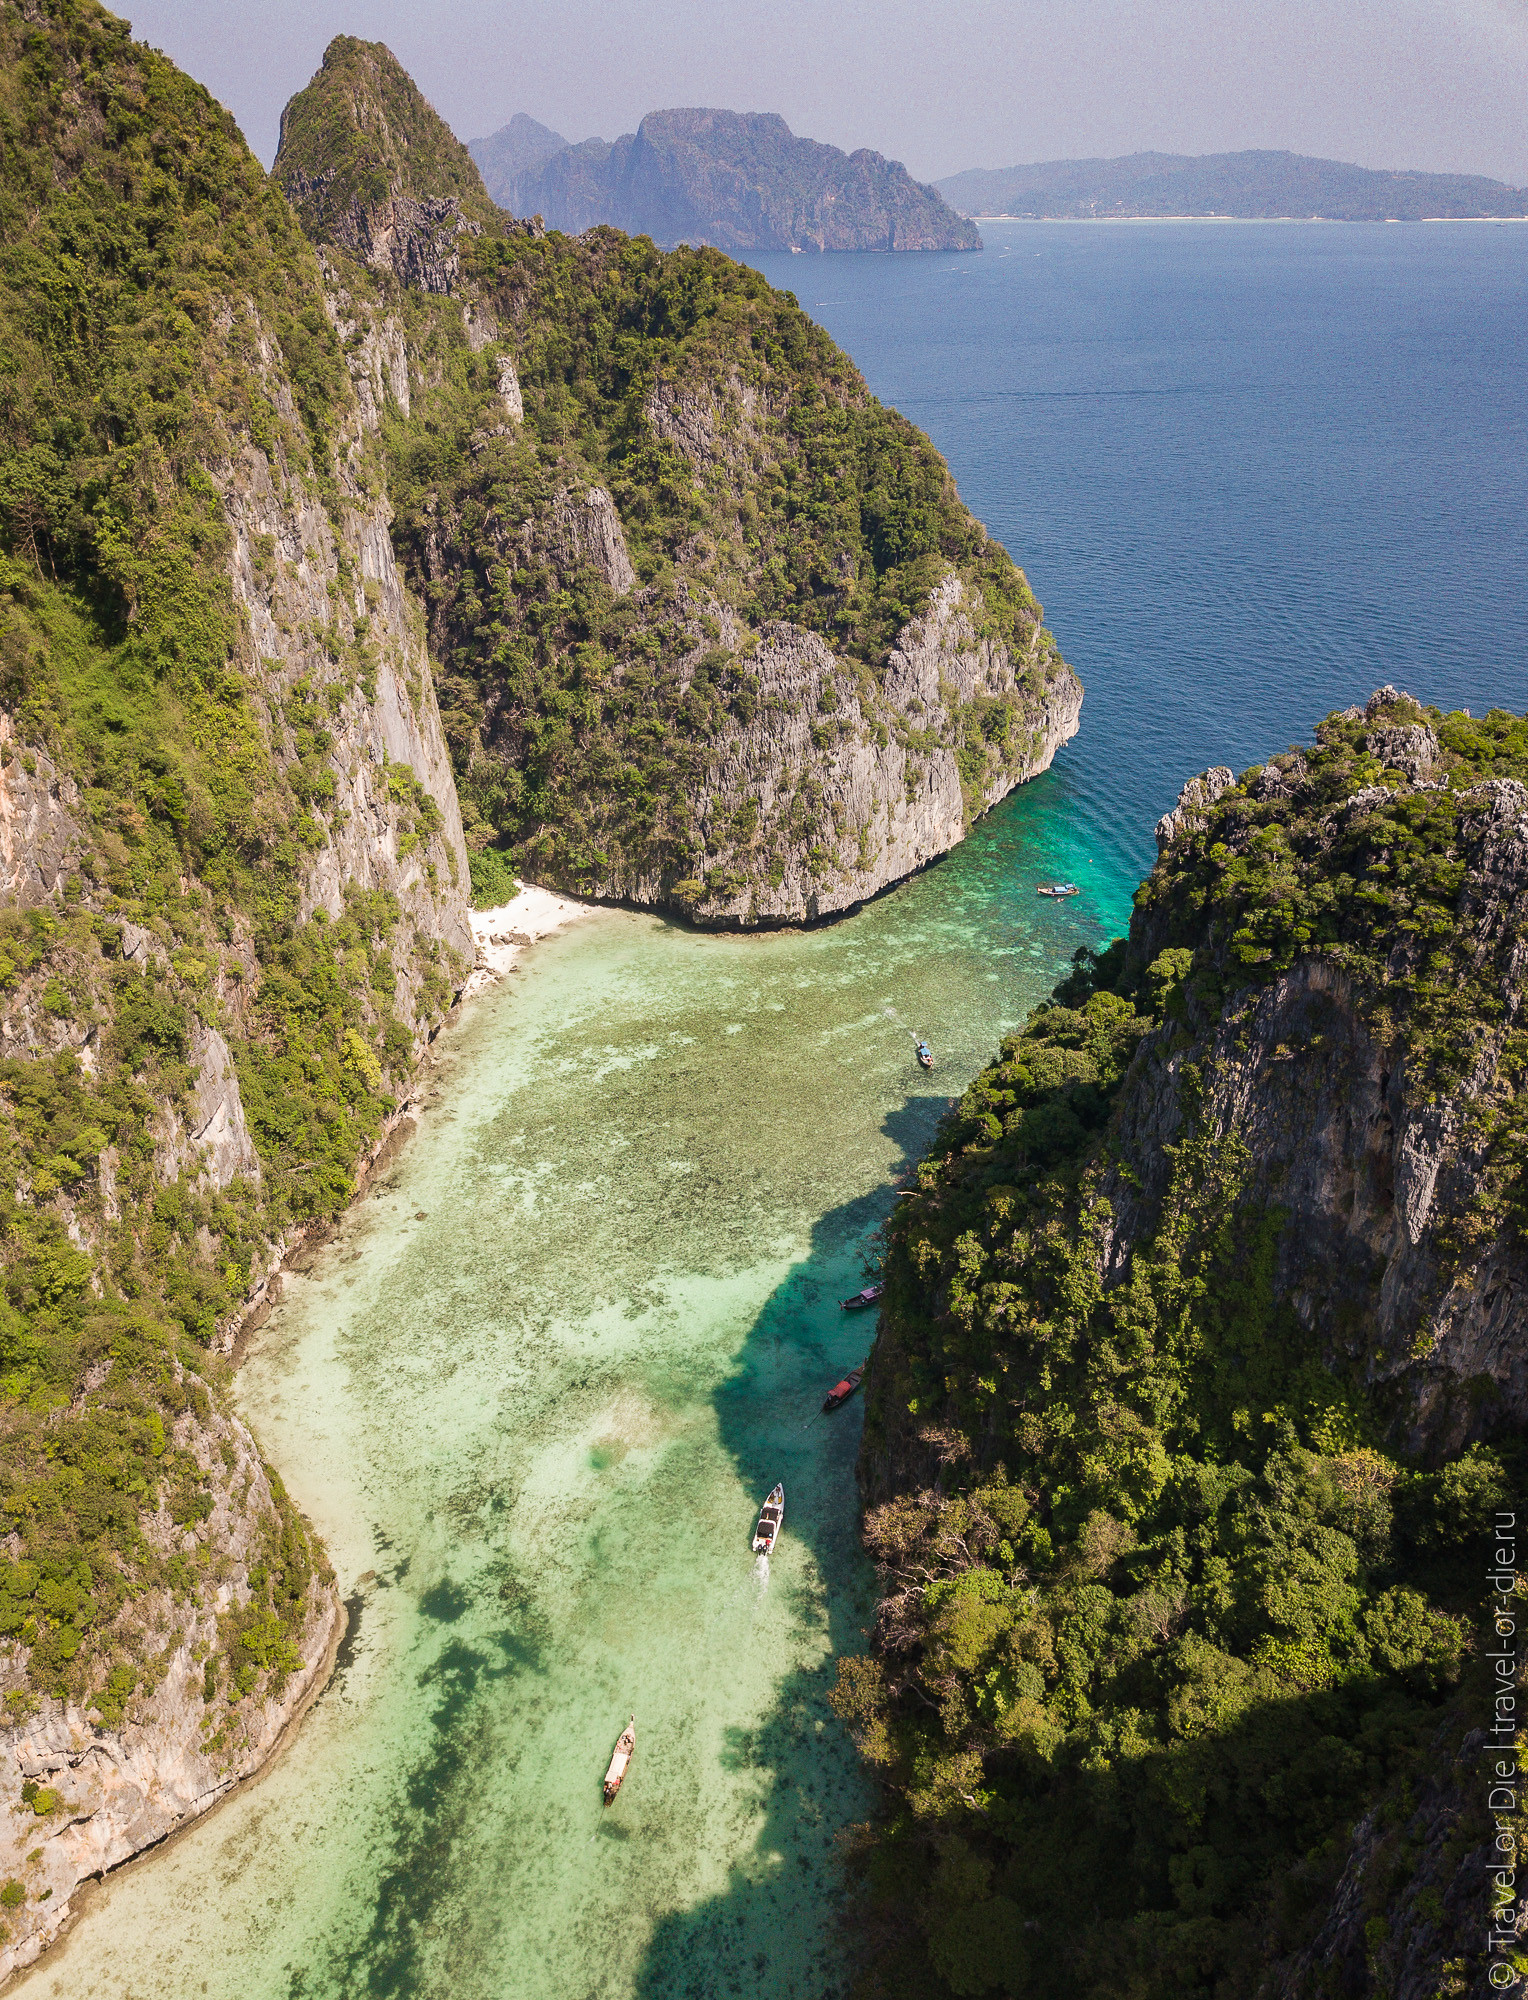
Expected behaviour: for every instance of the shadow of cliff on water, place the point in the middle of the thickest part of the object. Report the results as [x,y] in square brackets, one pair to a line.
[777,1927]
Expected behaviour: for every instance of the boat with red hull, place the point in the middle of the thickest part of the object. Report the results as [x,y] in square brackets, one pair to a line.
[842,1391]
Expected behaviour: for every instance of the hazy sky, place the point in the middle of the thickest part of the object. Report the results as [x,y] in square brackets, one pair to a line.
[1386,83]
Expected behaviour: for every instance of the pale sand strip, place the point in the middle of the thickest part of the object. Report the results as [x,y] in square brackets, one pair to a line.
[502,934]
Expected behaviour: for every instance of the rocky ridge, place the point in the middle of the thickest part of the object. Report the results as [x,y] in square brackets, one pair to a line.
[739,180]
[157,1022]
[1203,1356]
[1377,1170]
[800,767]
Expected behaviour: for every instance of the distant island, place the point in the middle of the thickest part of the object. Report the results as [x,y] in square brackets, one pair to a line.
[738,180]
[1244,186]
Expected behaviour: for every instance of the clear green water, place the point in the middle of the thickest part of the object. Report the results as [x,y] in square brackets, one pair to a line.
[534,1429]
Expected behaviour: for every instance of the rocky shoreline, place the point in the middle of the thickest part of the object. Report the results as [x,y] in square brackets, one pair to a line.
[122,1791]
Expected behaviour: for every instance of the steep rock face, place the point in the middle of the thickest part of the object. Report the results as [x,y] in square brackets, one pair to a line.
[40,838]
[415,240]
[582,528]
[844,782]
[1394,1248]
[1198,1396]
[714,630]
[292,572]
[99,1788]
[1409,1915]
[232,911]
[739,180]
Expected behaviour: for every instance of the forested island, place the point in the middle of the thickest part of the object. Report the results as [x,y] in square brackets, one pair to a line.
[741,180]
[1251,186]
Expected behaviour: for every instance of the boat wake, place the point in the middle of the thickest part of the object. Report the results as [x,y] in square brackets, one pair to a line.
[761,1571]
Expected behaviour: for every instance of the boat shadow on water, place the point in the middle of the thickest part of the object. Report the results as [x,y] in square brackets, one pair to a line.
[776,1927]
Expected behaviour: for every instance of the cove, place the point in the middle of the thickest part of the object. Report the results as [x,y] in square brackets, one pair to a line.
[531,1397]
[1252,474]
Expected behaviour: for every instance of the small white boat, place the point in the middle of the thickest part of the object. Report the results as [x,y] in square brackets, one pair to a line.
[770,1516]
[620,1760]
[1060,890]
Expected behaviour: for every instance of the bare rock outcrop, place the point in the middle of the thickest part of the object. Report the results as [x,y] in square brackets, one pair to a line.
[584,527]
[287,573]
[85,1791]
[41,840]
[829,782]
[1196,798]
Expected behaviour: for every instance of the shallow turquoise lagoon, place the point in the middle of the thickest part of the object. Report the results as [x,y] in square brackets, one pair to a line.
[532,1398]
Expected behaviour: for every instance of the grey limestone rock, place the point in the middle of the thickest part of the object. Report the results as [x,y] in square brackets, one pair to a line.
[583,527]
[856,776]
[122,1785]
[739,180]
[217,1124]
[415,239]
[41,840]
[1196,798]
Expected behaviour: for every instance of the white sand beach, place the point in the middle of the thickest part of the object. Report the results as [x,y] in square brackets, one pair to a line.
[502,933]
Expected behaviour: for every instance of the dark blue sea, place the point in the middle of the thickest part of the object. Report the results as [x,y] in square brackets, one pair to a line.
[1253,471]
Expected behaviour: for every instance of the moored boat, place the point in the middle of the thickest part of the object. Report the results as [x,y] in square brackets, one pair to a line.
[868,1297]
[622,1757]
[842,1391]
[925,1055]
[771,1514]
[1059,890]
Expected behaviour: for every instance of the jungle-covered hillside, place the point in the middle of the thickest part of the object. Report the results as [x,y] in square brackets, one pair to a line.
[1192,1404]
[626,481]
[196,1048]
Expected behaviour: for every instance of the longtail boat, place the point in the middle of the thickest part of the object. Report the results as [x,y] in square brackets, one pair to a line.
[925,1055]
[842,1391]
[870,1296]
[622,1757]
[770,1516]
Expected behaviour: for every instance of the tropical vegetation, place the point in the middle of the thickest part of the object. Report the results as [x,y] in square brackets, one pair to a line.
[1170,1602]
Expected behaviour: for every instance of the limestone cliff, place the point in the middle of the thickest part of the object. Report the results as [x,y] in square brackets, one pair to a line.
[838,781]
[1198,1396]
[86,1785]
[232,911]
[715,632]
[1383,1146]
[740,180]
